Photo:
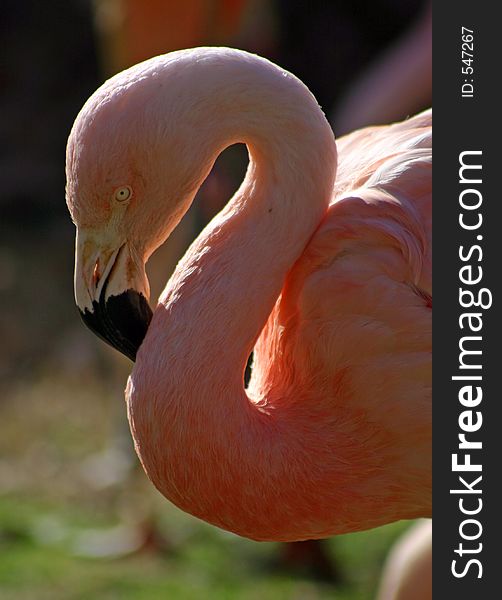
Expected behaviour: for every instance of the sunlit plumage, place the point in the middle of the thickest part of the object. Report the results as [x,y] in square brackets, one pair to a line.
[325,272]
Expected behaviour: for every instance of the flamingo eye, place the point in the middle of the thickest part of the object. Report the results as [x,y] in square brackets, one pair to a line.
[122,194]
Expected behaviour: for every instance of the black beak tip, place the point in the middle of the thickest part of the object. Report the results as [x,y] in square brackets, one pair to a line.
[121,321]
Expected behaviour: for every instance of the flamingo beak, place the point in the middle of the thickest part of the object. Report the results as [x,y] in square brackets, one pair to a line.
[111,292]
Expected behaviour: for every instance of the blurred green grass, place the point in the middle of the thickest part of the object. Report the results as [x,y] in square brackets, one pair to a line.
[54,517]
[208,563]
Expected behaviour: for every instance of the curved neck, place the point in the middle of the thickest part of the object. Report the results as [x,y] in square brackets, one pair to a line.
[186,396]
[226,285]
[224,289]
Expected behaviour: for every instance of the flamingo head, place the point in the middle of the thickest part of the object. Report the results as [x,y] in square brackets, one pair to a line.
[131,176]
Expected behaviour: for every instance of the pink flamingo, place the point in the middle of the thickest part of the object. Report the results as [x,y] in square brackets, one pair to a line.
[328,281]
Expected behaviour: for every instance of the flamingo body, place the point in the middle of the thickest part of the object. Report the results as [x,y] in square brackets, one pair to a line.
[328,280]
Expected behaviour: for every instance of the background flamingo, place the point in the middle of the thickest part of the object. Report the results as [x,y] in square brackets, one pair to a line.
[408,570]
[398,81]
[333,433]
